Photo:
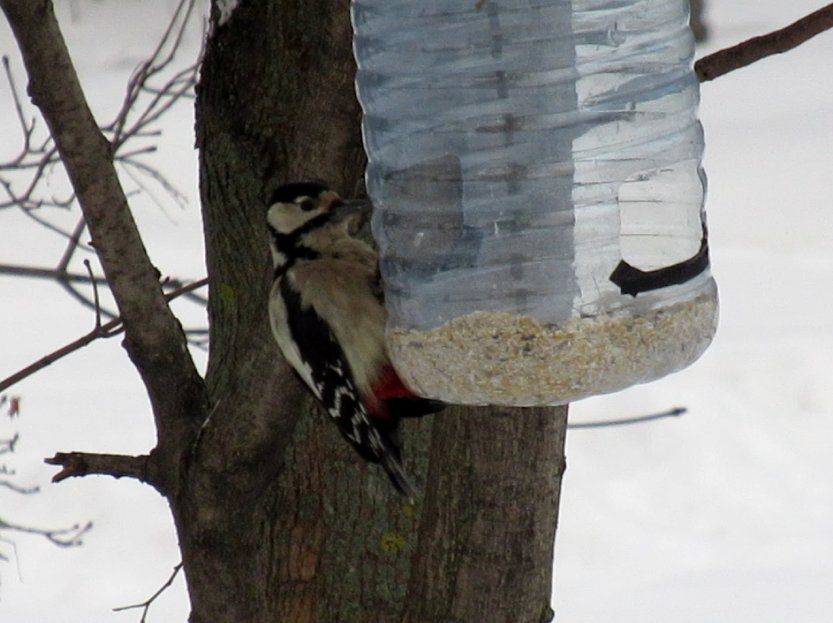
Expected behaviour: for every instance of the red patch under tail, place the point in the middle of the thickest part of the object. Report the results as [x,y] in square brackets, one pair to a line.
[388,386]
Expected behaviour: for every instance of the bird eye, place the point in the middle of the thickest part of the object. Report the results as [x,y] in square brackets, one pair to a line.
[306,204]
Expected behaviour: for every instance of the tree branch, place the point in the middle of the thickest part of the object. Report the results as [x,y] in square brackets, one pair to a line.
[27,127]
[145,605]
[18,489]
[155,340]
[62,537]
[109,329]
[152,66]
[743,54]
[86,463]
[675,412]
[7,445]
[106,330]
[39,158]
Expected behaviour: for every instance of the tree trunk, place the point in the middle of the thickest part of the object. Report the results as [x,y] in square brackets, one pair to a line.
[489,517]
[280,520]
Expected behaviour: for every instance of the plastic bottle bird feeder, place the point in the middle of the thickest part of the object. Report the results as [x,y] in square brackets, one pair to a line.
[536,171]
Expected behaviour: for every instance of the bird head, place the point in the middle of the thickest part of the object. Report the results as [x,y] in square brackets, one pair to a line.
[303,212]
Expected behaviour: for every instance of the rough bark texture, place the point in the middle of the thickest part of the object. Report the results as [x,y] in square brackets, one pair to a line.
[328,539]
[489,517]
[276,103]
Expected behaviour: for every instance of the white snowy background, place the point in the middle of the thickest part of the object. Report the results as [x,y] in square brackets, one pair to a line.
[723,515]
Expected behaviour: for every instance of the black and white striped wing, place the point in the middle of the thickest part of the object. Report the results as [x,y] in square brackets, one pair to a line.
[311,348]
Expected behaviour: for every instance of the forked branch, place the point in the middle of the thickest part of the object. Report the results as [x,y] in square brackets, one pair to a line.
[86,463]
[145,605]
[154,338]
[108,329]
[151,92]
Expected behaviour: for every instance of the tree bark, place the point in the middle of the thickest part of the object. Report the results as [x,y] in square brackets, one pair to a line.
[276,103]
[326,537]
[489,517]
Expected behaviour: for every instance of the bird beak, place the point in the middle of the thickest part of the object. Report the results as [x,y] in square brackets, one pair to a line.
[346,209]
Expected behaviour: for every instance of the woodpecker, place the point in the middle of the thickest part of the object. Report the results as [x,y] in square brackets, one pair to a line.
[328,318]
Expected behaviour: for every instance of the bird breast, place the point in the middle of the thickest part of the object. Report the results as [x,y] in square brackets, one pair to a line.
[340,291]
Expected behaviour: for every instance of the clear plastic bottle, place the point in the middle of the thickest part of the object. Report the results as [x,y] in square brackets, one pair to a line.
[535,166]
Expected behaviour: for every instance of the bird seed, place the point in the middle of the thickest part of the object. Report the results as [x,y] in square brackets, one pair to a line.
[511,360]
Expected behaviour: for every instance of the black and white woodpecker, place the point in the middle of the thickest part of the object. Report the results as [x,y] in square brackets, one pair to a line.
[328,317]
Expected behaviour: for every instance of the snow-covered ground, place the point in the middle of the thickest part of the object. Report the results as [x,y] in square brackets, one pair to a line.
[722,515]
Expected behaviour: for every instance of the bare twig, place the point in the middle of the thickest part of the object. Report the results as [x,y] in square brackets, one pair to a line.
[29,212]
[67,284]
[95,295]
[133,121]
[37,159]
[743,54]
[40,159]
[160,103]
[72,245]
[633,420]
[64,537]
[5,558]
[47,273]
[109,329]
[141,151]
[145,605]
[158,62]
[171,285]
[17,489]
[183,288]
[186,95]
[27,128]
[7,445]
[152,65]
[155,175]
[85,301]
[145,188]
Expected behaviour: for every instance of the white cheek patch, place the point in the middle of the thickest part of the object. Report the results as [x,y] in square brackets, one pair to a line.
[285,218]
